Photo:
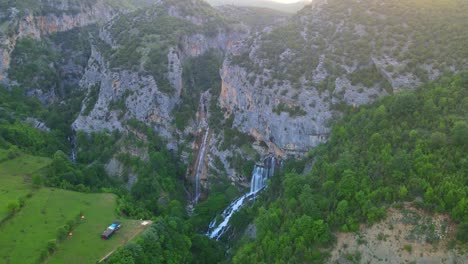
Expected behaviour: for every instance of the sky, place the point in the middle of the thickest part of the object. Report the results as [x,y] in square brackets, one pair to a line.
[286,1]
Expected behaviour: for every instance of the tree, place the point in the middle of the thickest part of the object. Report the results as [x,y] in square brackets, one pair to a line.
[438,139]
[37,180]
[403,192]
[342,209]
[460,212]
[462,233]
[166,241]
[404,104]
[52,245]
[347,185]
[460,134]
[60,164]
[13,207]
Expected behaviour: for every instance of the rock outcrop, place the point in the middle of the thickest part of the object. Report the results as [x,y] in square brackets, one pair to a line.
[253,106]
[285,84]
[140,94]
[52,17]
[138,91]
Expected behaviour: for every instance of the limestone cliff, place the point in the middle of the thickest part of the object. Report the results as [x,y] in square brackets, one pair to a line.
[43,18]
[142,93]
[253,108]
[284,85]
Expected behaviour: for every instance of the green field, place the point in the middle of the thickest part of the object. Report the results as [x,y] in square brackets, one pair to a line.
[24,236]
[86,245]
[15,178]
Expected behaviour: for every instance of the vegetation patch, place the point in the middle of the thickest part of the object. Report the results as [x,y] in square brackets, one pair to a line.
[92,98]
[146,40]
[293,111]
[200,74]
[370,77]
[377,155]
[15,179]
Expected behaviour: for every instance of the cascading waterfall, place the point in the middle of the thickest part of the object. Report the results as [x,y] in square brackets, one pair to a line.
[259,177]
[72,141]
[199,171]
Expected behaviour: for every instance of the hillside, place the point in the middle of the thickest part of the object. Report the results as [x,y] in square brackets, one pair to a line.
[36,19]
[16,177]
[36,221]
[286,84]
[245,134]
[130,75]
[406,235]
[131,52]
[256,18]
[289,8]
[404,148]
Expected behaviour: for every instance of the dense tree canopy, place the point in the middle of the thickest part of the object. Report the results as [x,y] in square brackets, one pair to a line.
[406,147]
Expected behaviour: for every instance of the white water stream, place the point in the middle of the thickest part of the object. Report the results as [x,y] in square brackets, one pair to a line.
[259,177]
[72,141]
[199,171]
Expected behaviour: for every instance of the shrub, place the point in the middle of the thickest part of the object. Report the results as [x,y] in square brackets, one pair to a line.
[408,248]
[13,207]
[52,245]
[462,233]
[62,232]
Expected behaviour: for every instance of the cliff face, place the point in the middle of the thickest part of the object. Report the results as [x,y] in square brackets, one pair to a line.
[253,107]
[282,85]
[48,18]
[35,26]
[285,84]
[147,82]
[140,96]
[137,90]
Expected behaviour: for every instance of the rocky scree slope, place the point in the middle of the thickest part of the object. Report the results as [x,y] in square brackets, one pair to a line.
[284,85]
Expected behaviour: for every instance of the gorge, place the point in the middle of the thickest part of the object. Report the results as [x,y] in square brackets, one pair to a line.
[182,113]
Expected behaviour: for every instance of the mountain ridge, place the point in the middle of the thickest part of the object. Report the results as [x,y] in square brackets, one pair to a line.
[289,8]
[332,55]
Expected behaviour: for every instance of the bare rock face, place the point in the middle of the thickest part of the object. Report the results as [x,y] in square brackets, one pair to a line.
[28,23]
[253,106]
[285,84]
[198,44]
[118,95]
[139,94]
[175,73]
[4,61]
[36,26]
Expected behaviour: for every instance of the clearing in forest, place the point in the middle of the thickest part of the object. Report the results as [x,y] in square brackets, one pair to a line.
[24,236]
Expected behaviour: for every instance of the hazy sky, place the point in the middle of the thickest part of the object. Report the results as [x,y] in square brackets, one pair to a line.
[286,1]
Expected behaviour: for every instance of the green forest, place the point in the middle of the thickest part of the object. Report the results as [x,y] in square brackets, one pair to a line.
[408,148]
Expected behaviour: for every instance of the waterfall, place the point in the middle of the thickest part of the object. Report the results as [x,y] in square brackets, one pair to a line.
[260,175]
[72,141]
[258,179]
[199,171]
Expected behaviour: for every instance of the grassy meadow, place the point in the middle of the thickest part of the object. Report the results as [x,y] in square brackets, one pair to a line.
[15,178]
[25,235]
